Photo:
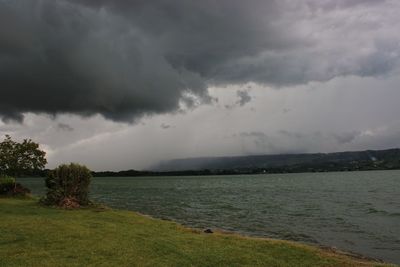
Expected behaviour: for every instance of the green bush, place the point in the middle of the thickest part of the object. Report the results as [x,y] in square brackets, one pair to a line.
[7,180]
[8,187]
[68,186]
[7,184]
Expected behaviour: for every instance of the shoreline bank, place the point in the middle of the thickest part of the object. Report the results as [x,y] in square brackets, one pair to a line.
[40,236]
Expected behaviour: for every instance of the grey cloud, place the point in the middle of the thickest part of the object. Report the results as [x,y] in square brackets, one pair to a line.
[291,134]
[229,106]
[244,97]
[125,59]
[346,137]
[8,129]
[65,127]
[272,144]
[339,4]
[253,134]
[165,126]
[261,141]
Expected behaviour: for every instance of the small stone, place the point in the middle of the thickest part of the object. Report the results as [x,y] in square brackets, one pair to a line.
[208,231]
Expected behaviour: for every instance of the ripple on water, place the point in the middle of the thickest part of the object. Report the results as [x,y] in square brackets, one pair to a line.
[382,212]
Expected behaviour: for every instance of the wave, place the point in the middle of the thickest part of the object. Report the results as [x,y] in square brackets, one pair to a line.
[382,212]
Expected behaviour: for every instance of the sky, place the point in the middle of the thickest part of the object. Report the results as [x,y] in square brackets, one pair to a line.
[117,84]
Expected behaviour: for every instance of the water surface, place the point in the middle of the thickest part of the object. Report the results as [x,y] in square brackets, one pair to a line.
[355,211]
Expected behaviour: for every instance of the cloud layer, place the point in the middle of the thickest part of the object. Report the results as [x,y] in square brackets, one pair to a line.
[125,59]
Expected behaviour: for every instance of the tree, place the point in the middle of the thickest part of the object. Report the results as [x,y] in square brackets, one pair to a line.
[17,159]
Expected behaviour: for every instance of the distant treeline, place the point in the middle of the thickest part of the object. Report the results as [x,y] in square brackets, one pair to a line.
[330,162]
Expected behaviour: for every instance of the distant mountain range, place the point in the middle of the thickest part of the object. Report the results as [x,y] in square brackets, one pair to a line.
[286,163]
[356,160]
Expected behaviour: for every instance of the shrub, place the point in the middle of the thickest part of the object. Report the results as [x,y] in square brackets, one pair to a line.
[68,186]
[9,187]
[5,180]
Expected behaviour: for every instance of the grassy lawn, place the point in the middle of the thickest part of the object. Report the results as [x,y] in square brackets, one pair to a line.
[32,235]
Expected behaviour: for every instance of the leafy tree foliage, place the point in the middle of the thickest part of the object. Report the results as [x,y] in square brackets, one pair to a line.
[20,158]
[68,186]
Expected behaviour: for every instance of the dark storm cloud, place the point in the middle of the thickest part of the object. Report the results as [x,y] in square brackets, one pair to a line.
[57,57]
[124,59]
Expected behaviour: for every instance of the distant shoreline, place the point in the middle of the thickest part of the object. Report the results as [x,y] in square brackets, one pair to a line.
[134,173]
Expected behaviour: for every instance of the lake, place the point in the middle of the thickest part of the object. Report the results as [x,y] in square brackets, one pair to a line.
[354,211]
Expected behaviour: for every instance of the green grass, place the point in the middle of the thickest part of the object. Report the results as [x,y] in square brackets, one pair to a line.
[32,235]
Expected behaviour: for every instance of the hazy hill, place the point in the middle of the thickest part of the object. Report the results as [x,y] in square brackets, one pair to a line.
[390,158]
